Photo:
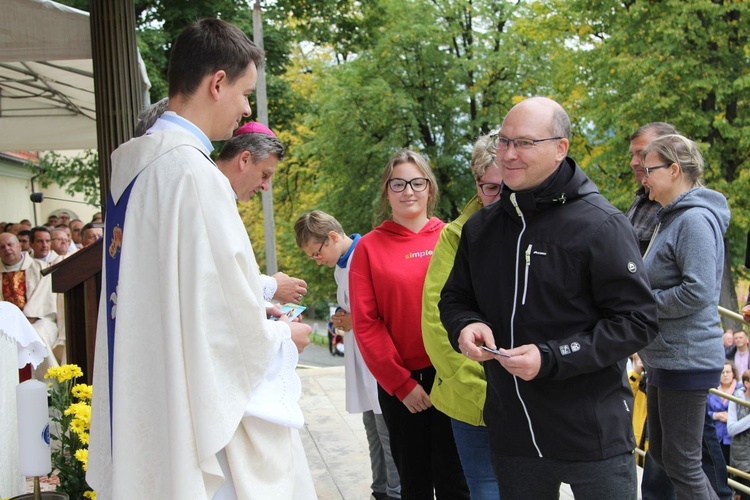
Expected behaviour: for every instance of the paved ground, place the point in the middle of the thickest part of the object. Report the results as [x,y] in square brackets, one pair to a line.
[317,355]
[334,440]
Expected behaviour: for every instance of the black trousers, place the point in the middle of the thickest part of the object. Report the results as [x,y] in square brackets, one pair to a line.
[423,448]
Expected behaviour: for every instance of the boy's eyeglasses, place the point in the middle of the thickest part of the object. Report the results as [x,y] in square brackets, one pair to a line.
[316,255]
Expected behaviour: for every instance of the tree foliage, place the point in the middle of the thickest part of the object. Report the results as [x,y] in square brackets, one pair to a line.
[431,77]
[352,81]
[683,62]
[75,174]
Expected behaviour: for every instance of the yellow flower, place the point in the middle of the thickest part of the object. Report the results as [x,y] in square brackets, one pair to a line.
[78,426]
[82,456]
[90,494]
[64,373]
[80,410]
[82,391]
[84,438]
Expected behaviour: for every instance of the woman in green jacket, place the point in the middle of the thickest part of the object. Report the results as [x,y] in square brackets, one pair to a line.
[460,384]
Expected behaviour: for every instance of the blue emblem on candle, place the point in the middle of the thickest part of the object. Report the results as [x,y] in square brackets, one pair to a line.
[45,434]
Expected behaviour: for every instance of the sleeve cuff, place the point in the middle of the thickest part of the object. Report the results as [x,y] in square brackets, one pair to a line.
[549,362]
[269,287]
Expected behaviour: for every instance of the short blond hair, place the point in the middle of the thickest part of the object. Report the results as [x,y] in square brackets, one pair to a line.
[315,226]
[483,155]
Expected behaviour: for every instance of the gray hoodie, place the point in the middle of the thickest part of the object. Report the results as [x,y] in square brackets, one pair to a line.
[685,264]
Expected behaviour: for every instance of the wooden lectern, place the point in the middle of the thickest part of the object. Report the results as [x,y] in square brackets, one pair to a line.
[79,277]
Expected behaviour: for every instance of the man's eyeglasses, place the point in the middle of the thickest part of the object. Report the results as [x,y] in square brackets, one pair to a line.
[649,169]
[417,184]
[490,188]
[501,143]
[316,255]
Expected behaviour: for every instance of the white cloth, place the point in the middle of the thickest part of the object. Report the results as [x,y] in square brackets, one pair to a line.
[276,399]
[192,342]
[61,355]
[16,327]
[361,386]
[19,344]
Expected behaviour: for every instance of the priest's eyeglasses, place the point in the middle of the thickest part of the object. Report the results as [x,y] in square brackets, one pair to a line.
[490,188]
[316,255]
[417,184]
[501,143]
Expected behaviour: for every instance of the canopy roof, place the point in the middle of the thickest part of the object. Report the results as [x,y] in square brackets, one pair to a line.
[46,77]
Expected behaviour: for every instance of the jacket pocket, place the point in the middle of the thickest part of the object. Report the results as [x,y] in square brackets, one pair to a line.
[661,347]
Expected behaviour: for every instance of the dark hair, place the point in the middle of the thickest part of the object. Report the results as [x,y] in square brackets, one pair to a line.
[205,47]
[259,145]
[658,129]
[25,232]
[37,229]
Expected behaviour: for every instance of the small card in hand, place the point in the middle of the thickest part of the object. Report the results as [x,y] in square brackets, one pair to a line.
[291,310]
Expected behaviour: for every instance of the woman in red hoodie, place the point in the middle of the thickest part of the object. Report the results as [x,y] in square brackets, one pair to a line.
[385,282]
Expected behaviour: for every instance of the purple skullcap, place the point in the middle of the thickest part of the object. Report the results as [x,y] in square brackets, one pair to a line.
[254,128]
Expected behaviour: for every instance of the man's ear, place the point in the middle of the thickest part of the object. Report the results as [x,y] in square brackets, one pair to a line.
[245,160]
[217,80]
[562,149]
[334,236]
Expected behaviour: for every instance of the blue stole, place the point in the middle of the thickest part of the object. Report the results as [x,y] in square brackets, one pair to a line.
[113,234]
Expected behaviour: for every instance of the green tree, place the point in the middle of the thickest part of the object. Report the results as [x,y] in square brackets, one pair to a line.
[684,62]
[430,76]
[76,174]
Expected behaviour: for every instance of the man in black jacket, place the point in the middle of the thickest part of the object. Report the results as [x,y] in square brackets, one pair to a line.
[553,275]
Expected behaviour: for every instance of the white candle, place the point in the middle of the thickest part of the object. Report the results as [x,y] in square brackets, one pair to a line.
[33,429]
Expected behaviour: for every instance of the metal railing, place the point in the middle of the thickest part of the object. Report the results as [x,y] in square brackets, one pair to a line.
[731,470]
[737,486]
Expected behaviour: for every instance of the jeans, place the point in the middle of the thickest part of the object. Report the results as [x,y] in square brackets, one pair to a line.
[473,445]
[384,474]
[655,484]
[676,420]
[526,478]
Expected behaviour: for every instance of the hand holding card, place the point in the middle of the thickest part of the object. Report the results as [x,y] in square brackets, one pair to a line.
[291,310]
[495,351]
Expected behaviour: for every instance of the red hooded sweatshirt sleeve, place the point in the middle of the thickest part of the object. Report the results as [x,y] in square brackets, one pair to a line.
[385,283]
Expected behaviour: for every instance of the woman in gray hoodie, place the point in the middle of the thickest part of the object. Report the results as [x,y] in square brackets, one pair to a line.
[685,262]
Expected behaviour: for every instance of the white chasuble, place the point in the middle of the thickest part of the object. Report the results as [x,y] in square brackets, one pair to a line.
[191,342]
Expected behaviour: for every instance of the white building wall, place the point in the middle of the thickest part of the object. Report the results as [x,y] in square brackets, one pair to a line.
[17,184]
[15,189]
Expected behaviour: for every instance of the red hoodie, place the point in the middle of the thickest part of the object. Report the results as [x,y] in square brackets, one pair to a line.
[385,285]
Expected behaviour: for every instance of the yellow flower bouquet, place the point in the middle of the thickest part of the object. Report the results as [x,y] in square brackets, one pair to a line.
[71,418]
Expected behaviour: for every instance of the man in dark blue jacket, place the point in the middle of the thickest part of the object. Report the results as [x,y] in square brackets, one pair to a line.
[551,274]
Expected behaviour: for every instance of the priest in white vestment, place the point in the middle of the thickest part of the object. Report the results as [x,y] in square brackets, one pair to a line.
[24,286]
[195,394]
